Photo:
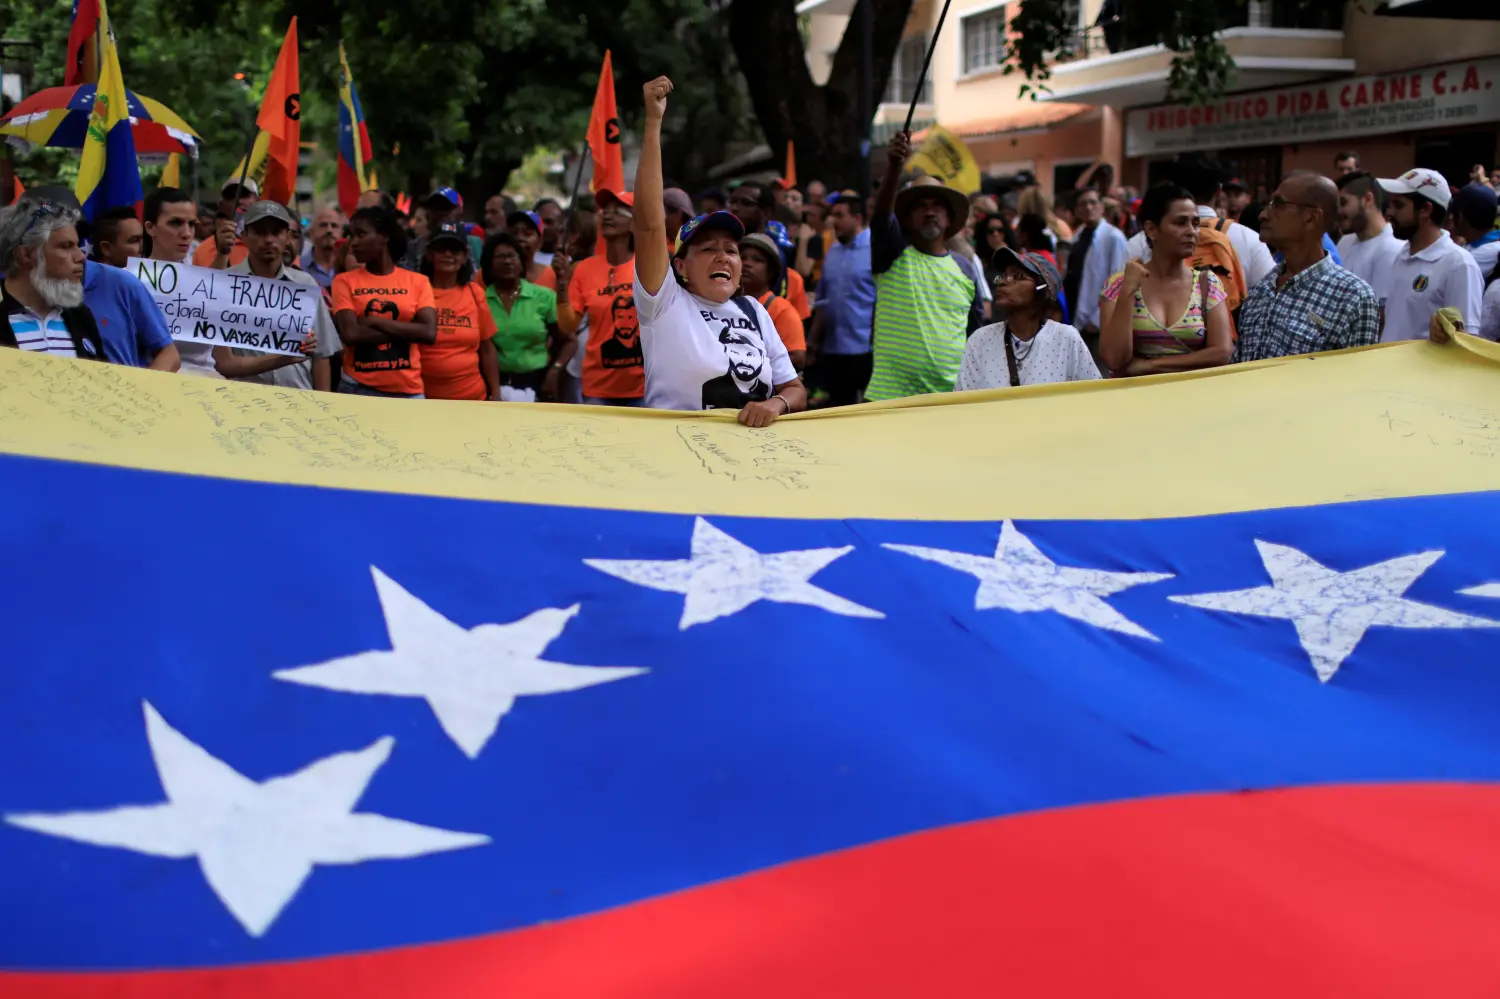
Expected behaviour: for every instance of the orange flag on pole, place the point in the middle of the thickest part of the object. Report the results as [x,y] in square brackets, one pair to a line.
[790,177]
[604,134]
[281,120]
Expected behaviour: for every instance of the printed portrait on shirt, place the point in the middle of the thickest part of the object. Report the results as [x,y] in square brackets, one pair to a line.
[745,378]
[623,348]
[388,355]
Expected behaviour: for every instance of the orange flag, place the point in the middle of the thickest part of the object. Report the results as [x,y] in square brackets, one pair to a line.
[281,120]
[604,134]
[790,177]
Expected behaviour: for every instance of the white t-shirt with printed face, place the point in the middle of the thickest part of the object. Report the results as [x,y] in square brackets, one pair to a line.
[706,355]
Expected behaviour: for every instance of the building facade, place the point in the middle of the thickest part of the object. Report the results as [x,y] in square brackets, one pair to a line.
[1406,86]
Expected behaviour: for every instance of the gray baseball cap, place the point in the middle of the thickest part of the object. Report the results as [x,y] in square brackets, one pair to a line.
[262,210]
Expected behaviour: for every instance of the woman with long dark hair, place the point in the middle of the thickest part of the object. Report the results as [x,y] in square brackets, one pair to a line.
[460,364]
[992,233]
[1033,236]
[1164,316]
[384,314]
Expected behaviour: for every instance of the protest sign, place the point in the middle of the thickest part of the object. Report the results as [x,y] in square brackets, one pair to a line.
[231,310]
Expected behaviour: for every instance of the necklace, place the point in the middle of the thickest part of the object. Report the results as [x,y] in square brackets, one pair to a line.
[1022,348]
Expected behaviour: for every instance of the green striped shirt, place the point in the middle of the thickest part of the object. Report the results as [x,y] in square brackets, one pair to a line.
[922,308]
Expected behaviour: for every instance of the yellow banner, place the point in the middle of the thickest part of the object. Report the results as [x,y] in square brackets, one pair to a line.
[943,154]
[1404,419]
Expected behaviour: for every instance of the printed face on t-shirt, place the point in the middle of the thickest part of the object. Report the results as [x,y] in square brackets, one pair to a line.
[627,324]
[623,347]
[745,358]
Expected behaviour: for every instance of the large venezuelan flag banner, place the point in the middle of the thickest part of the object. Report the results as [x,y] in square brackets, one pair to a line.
[1178,689]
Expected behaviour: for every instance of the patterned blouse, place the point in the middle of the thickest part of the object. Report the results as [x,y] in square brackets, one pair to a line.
[1152,339]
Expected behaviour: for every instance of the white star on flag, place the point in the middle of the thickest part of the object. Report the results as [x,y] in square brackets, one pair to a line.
[724,576]
[1483,590]
[1018,577]
[256,843]
[1332,610]
[469,677]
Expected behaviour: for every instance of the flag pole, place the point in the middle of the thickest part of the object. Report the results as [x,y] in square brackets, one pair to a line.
[926,62]
[239,212]
[573,199]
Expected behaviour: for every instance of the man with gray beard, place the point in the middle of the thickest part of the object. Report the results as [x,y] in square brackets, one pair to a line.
[41,299]
[927,300]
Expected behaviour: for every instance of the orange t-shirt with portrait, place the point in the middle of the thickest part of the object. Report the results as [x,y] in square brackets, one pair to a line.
[450,367]
[613,365]
[207,250]
[392,365]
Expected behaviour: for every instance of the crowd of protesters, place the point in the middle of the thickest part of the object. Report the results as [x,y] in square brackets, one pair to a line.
[768,299]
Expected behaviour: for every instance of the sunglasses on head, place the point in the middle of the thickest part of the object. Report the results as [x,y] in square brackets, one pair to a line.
[42,212]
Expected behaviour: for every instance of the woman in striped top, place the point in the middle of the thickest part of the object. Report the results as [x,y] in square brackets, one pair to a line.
[1139,335]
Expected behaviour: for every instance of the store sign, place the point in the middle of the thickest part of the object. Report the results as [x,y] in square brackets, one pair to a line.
[1460,93]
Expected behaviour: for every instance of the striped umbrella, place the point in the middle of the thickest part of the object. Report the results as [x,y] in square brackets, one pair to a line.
[59,117]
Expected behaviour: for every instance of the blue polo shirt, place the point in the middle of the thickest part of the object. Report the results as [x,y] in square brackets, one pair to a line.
[846,297]
[130,324]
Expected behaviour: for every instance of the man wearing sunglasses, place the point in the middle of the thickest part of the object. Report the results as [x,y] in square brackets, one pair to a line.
[1308,303]
[41,299]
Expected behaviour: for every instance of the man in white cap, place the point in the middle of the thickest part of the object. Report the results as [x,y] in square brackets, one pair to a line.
[228,246]
[1431,272]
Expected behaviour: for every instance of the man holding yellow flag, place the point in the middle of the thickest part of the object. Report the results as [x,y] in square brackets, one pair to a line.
[928,299]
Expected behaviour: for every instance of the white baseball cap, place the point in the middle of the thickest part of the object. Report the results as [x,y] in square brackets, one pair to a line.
[1428,183]
[249,184]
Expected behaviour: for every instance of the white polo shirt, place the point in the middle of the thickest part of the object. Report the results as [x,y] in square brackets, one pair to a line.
[1370,259]
[1489,319]
[1255,257]
[1444,275]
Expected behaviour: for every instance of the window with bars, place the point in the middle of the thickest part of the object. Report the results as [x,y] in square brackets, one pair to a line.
[905,69]
[984,41]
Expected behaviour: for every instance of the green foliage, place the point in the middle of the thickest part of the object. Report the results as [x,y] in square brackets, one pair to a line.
[464,89]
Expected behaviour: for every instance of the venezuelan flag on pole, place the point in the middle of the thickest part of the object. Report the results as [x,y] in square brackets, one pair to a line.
[354,140]
[108,175]
[281,120]
[83,44]
[1189,689]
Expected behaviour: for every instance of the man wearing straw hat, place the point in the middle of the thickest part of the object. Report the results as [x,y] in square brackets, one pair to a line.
[927,300]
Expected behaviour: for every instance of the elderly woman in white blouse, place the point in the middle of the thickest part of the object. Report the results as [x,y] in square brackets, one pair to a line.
[1028,348]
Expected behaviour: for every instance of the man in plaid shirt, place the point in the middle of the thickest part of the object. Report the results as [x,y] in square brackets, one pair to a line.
[1307,303]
